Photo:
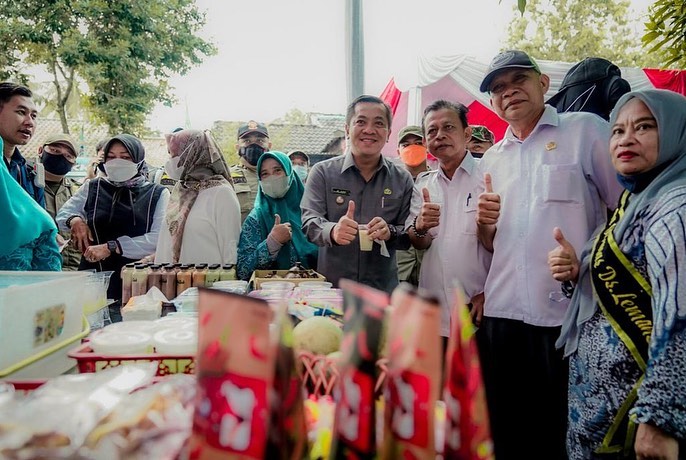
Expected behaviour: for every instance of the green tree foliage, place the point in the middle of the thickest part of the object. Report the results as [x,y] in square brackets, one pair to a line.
[123,50]
[570,30]
[666,32]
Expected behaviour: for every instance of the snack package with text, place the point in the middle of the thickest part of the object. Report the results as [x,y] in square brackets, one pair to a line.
[287,428]
[354,435]
[234,366]
[467,430]
[413,381]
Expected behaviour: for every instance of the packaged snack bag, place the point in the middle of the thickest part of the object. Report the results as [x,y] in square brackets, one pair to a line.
[354,435]
[287,434]
[413,381]
[235,366]
[467,431]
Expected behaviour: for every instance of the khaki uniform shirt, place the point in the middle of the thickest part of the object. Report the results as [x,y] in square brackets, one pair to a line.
[54,200]
[245,183]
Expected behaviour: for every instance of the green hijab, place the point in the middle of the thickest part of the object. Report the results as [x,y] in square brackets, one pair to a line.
[288,208]
[22,220]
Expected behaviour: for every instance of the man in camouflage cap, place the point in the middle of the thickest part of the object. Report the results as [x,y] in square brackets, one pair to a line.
[482,139]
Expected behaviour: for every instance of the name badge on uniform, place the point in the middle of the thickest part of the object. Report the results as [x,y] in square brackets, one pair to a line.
[238,178]
[340,191]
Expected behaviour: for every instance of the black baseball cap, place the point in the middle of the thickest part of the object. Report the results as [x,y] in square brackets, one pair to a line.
[510,59]
[252,127]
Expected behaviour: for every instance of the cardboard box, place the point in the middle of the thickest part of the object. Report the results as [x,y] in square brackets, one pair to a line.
[260,276]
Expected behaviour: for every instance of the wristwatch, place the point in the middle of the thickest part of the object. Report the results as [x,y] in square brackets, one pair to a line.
[112,246]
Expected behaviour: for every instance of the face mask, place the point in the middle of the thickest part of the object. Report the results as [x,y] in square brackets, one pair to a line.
[413,155]
[301,171]
[251,153]
[275,187]
[119,170]
[55,164]
[171,167]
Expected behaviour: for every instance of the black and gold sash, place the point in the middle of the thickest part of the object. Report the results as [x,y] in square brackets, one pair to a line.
[625,298]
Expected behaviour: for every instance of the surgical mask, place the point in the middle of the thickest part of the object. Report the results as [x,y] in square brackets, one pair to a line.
[171,167]
[301,171]
[119,170]
[275,187]
[55,164]
[251,153]
[413,155]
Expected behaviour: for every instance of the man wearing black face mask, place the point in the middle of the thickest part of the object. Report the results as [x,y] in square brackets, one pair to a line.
[253,141]
[58,155]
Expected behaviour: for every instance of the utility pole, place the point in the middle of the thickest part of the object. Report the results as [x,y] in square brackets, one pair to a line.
[354,47]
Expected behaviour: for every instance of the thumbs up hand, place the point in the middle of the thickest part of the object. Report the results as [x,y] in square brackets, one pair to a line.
[562,260]
[488,206]
[345,230]
[429,214]
[281,232]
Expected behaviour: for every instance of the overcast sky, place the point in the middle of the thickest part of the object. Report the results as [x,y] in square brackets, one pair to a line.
[276,55]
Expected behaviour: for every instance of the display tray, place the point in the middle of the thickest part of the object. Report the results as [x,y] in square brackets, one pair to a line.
[88,361]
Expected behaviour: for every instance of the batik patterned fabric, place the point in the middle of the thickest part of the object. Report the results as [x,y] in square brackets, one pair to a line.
[602,371]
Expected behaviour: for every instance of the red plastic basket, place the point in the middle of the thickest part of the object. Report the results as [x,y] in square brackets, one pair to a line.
[88,361]
[320,374]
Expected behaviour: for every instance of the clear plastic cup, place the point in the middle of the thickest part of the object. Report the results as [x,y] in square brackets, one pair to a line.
[366,243]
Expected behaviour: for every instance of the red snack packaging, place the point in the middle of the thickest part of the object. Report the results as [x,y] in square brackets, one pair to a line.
[354,434]
[467,430]
[287,427]
[234,367]
[413,381]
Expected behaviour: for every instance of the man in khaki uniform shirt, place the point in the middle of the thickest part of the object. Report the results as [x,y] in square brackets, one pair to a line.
[253,141]
[58,155]
[413,155]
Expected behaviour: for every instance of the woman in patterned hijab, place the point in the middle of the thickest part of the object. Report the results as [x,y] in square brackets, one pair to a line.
[202,223]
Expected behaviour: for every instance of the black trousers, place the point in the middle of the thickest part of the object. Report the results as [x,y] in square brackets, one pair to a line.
[526,389]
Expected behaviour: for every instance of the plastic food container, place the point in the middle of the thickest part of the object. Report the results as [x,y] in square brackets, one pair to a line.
[315,285]
[121,342]
[176,342]
[277,285]
[41,314]
[235,286]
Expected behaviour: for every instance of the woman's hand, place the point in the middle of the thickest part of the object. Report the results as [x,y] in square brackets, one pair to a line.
[281,232]
[80,234]
[654,444]
[97,253]
[562,260]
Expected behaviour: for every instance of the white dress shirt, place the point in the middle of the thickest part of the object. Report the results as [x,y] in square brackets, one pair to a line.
[455,255]
[559,176]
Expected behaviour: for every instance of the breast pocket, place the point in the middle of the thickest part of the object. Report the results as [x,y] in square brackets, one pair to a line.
[562,184]
[244,197]
[390,210]
[468,220]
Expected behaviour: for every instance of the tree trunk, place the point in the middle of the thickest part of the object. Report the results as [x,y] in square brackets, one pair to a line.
[62,93]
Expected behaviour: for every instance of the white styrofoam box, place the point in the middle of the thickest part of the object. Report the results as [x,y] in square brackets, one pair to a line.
[38,311]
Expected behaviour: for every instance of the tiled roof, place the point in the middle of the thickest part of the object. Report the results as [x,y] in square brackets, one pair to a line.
[310,137]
